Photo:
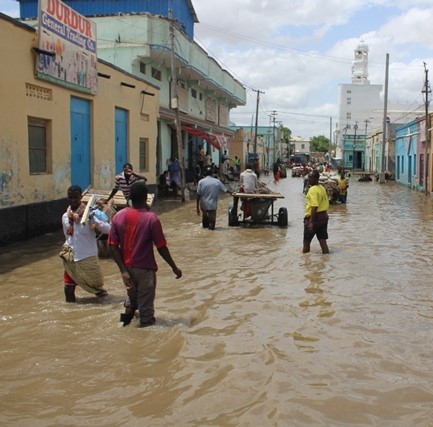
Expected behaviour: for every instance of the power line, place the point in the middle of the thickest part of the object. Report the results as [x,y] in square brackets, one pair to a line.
[314,55]
[244,82]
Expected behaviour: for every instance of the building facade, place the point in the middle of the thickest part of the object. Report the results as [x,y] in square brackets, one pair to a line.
[148,40]
[359,103]
[268,147]
[300,145]
[410,155]
[52,136]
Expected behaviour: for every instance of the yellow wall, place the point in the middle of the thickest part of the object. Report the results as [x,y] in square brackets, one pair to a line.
[237,147]
[17,186]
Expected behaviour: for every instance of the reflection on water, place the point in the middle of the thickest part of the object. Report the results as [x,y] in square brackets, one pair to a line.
[255,333]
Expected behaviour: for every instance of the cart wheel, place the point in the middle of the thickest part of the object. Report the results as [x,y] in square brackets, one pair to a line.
[233,219]
[283,218]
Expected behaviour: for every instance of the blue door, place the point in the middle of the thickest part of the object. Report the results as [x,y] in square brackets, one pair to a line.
[80,142]
[121,138]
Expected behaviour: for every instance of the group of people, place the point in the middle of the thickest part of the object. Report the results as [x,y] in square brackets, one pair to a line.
[132,234]
[135,229]
[208,190]
[170,179]
[342,181]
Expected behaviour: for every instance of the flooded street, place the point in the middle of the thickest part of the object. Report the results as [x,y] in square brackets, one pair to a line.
[254,334]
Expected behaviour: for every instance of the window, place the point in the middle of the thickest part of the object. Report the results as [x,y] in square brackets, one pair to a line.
[144,144]
[348,91]
[156,74]
[302,146]
[200,96]
[193,93]
[348,116]
[142,68]
[38,145]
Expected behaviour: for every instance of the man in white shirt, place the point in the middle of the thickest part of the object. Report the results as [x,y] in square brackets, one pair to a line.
[248,180]
[80,251]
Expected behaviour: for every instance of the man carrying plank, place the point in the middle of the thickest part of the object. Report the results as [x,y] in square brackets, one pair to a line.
[80,251]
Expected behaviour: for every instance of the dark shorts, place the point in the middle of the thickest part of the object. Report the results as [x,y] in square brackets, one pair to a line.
[320,227]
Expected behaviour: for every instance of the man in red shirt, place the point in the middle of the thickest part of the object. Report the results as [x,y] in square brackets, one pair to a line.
[133,233]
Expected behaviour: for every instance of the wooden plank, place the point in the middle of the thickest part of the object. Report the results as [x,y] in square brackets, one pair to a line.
[118,199]
[258,195]
[86,213]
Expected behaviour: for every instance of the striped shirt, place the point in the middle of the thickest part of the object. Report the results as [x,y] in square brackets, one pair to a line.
[125,185]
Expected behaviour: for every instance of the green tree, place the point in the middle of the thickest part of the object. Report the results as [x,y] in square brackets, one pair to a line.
[319,144]
[286,132]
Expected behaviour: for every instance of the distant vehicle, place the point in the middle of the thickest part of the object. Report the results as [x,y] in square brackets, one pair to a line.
[300,158]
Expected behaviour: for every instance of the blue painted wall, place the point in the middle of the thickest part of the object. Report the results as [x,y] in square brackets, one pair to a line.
[181,11]
[406,155]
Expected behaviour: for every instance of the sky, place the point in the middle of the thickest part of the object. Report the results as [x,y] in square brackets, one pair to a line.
[298,51]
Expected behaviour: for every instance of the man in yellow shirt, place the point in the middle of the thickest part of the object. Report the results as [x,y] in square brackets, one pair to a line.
[343,185]
[316,215]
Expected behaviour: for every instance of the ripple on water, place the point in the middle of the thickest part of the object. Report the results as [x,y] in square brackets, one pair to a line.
[255,333]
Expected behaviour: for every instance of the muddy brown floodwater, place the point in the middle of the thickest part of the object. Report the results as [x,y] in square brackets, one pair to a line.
[254,334]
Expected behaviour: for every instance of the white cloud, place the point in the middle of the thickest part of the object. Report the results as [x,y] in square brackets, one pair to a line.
[306,81]
[262,42]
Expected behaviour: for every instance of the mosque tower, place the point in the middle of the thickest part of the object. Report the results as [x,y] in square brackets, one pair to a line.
[359,104]
[360,64]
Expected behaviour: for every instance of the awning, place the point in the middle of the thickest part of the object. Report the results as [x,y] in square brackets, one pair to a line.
[217,141]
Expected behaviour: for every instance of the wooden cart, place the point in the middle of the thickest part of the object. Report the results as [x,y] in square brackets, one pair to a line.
[119,201]
[259,211]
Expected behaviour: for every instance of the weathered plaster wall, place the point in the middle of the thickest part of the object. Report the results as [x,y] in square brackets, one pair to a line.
[23,194]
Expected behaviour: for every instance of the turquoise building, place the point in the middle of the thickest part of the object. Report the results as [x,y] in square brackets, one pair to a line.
[353,150]
[409,155]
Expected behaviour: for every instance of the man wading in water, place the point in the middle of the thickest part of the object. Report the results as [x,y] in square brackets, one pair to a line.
[316,216]
[133,233]
[80,251]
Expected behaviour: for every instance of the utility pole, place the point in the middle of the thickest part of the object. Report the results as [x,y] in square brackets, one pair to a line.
[174,101]
[385,121]
[426,91]
[273,115]
[257,119]
[366,121]
[353,147]
[330,139]
[268,148]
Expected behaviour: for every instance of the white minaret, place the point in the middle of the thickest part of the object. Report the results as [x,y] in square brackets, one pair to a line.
[360,65]
[358,101]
